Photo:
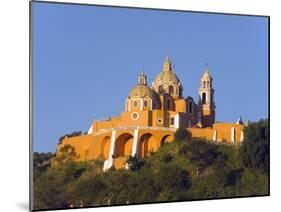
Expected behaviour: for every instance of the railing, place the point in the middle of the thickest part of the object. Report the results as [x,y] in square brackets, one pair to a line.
[103,131]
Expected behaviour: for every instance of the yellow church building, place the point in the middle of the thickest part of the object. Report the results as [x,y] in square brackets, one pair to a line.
[152,115]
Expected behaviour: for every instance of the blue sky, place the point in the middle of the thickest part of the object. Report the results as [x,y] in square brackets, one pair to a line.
[87,58]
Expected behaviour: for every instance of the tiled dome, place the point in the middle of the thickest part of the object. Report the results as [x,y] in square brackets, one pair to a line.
[141,91]
[166,77]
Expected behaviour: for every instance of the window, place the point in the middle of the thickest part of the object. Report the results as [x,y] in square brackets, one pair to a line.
[208,84]
[204,84]
[180,91]
[189,123]
[172,121]
[204,98]
[159,120]
[161,91]
[135,103]
[135,116]
[171,90]
[168,104]
[145,103]
[190,105]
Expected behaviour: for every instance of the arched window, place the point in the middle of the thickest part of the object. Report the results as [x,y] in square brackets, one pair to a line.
[168,104]
[204,84]
[171,89]
[208,84]
[190,107]
[145,103]
[180,91]
[204,98]
[172,121]
[160,89]
[135,103]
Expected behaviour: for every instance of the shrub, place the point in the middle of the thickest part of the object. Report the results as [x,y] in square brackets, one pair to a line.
[182,135]
[255,148]
[134,163]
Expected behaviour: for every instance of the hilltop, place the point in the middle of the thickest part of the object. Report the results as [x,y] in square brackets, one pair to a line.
[186,169]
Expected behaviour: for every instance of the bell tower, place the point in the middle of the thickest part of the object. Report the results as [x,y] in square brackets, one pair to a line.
[206,100]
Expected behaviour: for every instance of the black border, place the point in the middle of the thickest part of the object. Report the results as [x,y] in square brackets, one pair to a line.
[30,109]
[31,101]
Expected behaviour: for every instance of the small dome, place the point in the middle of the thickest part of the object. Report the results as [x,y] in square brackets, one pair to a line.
[141,91]
[167,77]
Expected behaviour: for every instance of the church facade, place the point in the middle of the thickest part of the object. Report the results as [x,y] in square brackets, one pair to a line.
[152,115]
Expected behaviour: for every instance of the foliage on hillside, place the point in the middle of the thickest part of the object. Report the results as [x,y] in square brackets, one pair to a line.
[186,169]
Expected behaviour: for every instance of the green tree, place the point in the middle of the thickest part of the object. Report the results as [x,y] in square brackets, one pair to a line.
[66,154]
[200,152]
[88,190]
[134,163]
[190,168]
[255,148]
[41,161]
[40,158]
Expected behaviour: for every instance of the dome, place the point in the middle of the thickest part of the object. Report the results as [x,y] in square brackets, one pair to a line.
[167,82]
[166,77]
[141,91]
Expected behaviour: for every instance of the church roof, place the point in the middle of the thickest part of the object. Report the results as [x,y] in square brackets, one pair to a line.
[167,75]
[206,74]
[141,90]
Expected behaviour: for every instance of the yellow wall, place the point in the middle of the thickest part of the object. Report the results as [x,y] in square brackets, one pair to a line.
[90,147]
[112,123]
[144,119]
[180,105]
[202,132]
[223,132]
[81,145]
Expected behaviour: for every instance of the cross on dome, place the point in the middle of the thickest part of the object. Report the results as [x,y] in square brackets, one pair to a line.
[167,64]
[142,78]
[167,60]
